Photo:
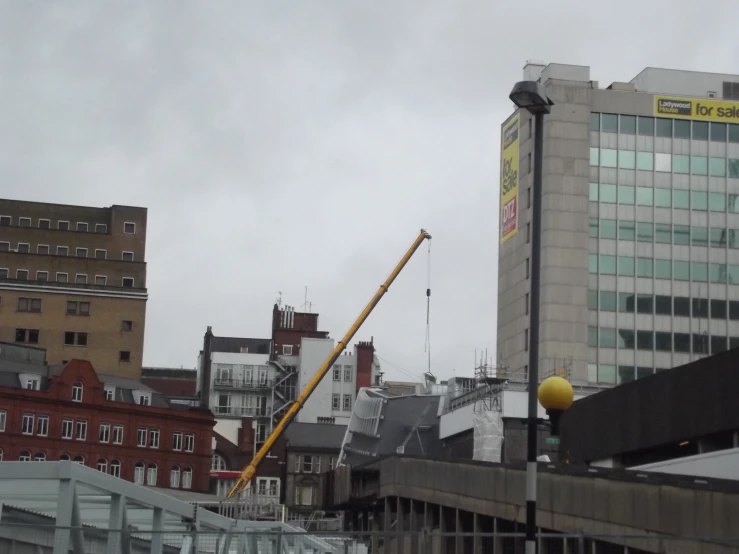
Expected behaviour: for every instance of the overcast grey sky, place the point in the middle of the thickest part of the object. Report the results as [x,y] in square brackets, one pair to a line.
[283,144]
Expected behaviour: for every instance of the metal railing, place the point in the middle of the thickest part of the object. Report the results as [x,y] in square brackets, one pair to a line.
[225,383]
[241,411]
[44,539]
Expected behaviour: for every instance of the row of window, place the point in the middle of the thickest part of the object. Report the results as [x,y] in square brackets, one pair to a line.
[71,338]
[347,373]
[306,463]
[143,474]
[662,127]
[664,233]
[628,339]
[31,424]
[74,307]
[63,277]
[678,306]
[664,163]
[337,404]
[607,374]
[629,266]
[663,198]
[129,227]
[43,249]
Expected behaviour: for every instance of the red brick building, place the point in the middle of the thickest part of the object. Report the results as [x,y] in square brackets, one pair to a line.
[117,425]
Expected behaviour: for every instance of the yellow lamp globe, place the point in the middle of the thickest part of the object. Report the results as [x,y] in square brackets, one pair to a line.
[555,393]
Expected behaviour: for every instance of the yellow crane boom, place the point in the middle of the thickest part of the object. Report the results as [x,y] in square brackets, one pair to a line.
[251,469]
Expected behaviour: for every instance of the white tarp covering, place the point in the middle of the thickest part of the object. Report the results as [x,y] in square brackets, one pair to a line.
[488,435]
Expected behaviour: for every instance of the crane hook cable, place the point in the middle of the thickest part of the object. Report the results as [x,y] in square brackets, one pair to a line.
[427,346]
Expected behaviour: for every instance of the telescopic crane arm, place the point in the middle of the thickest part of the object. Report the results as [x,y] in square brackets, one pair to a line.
[251,469]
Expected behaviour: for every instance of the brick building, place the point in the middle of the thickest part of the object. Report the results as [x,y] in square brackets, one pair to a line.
[114,424]
[73,281]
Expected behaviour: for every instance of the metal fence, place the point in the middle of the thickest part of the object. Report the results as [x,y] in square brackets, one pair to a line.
[40,539]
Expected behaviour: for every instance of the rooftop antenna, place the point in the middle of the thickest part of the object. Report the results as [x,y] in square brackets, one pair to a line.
[279,299]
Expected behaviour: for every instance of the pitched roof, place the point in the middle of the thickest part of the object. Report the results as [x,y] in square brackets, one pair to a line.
[235,344]
[309,436]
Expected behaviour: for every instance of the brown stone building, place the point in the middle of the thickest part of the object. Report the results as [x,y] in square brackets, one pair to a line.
[73,281]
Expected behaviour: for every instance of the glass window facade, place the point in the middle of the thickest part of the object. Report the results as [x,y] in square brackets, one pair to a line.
[679,246]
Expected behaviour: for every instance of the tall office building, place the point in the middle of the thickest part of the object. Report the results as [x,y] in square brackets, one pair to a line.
[640,224]
[73,281]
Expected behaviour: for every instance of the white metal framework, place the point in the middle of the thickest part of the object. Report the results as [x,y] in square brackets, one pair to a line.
[63,507]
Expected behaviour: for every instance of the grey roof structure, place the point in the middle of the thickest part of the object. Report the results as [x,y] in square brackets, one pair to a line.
[315,436]
[235,344]
[383,425]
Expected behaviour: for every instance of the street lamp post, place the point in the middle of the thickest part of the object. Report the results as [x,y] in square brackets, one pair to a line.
[532,96]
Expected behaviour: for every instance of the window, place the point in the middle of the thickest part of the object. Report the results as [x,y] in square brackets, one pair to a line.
[718,309]
[681,271]
[80,279]
[42,249]
[117,434]
[177,441]
[4,247]
[626,230]
[62,225]
[101,280]
[101,228]
[681,342]
[336,402]
[187,478]
[607,265]
[699,272]
[42,275]
[81,429]
[189,442]
[6,220]
[154,438]
[102,465]
[626,266]
[626,194]
[81,252]
[628,124]
[78,308]
[32,382]
[77,392]
[644,340]
[700,130]
[21,274]
[608,157]
[662,341]
[67,428]
[699,236]
[174,477]
[141,436]
[717,202]
[717,167]
[608,229]
[75,339]
[700,307]
[109,392]
[126,325]
[62,251]
[27,424]
[608,193]
[24,248]
[4,273]
[138,473]
[627,159]
[127,256]
[24,221]
[610,123]
[699,165]
[646,126]
[100,254]
[104,432]
[127,282]
[25,456]
[124,356]
[681,306]
[217,463]
[28,336]
[347,375]
[82,227]
[307,464]
[593,263]
[115,468]
[304,495]
[626,339]
[62,277]
[662,305]
[29,305]
[3,420]
[663,269]
[607,337]
[79,460]
[287,349]
[297,463]
[129,228]
[348,401]
[644,267]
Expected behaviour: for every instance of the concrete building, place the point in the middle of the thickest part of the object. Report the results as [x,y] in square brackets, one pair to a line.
[114,424]
[73,281]
[640,220]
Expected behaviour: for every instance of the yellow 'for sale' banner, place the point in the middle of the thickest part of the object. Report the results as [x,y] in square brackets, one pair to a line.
[696,108]
[509,180]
